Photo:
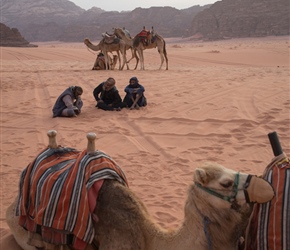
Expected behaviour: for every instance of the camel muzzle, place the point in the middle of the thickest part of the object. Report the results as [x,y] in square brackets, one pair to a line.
[258,190]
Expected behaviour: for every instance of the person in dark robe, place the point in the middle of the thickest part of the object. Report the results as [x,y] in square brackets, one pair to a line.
[107,96]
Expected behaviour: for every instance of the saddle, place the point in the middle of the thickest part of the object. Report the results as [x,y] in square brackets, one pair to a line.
[109,39]
[147,37]
[269,224]
[58,193]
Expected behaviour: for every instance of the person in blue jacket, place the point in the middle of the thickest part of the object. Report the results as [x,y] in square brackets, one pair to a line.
[135,94]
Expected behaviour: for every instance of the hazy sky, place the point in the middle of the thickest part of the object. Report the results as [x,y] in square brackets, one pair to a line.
[119,5]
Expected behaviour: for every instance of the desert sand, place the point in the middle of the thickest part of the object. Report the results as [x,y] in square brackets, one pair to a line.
[217,102]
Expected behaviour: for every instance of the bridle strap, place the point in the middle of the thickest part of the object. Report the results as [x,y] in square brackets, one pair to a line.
[221,196]
[245,188]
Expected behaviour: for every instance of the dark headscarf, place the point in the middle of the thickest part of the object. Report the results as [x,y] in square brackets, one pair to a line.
[134,78]
[136,84]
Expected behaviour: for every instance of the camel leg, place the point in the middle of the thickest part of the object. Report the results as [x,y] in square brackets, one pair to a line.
[162,59]
[118,53]
[141,57]
[106,60]
[132,56]
[166,59]
[124,59]
[137,59]
[142,60]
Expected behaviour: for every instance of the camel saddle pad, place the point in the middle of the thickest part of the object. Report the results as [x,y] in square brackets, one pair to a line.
[58,193]
[269,224]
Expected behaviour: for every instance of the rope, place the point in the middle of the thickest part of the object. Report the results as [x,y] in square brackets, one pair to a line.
[206,221]
[91,51]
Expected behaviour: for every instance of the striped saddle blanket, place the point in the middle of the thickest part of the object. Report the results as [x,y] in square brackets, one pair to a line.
[58,194]
[269,224]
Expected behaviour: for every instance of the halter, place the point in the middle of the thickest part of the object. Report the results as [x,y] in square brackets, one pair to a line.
[230,198]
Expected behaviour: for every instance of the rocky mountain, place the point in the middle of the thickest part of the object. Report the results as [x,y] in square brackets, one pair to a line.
[242,18]
[12,38]
[50,20]
[62,20]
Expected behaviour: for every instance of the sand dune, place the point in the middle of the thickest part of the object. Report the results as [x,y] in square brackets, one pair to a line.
[217,102]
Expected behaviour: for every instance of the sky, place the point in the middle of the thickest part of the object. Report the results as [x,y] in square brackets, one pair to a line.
[129,5]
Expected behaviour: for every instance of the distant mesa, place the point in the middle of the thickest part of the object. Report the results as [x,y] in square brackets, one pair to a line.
[12,38]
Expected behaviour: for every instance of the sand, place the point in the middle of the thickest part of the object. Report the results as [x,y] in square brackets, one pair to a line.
[217,102]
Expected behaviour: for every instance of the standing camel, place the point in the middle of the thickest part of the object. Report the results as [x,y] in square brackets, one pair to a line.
[106,48]
[137,44]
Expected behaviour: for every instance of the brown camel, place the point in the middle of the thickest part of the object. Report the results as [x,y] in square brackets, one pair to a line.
[215,213]
[136,44]
[100,62]
[106,48]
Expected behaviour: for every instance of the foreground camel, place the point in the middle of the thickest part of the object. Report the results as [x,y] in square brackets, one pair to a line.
[106,48]
[137,45]
[215,213]
[100,63]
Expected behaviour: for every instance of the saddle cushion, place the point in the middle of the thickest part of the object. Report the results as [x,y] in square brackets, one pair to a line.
[269,224]
[58,193]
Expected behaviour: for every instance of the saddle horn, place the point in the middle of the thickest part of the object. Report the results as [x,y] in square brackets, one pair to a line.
[91,142]
[52,138]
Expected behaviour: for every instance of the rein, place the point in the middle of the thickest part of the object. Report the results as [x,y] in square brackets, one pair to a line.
[91,51]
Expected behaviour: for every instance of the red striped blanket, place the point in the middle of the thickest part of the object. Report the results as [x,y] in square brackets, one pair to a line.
[58,193]
[269,225]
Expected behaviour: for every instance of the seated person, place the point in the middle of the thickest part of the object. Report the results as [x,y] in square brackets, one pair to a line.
[107,96]
[69,103]
[135,94]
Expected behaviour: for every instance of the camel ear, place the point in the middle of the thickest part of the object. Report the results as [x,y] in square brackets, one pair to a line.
[201,176]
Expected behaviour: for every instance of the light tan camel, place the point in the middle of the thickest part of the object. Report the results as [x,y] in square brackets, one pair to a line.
[106,48]
[137,45]
[215,213]
[100,62]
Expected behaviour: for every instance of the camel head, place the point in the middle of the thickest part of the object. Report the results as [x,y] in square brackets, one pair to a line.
[87,41]
[119,32]
[225,187]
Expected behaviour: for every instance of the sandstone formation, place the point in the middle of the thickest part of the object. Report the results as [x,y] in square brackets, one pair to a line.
[242,18]
[12,38]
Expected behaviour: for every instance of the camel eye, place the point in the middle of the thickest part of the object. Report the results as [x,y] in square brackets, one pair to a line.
[227,184]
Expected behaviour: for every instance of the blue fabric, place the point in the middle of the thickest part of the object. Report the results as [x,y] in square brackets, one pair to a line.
[131,92]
